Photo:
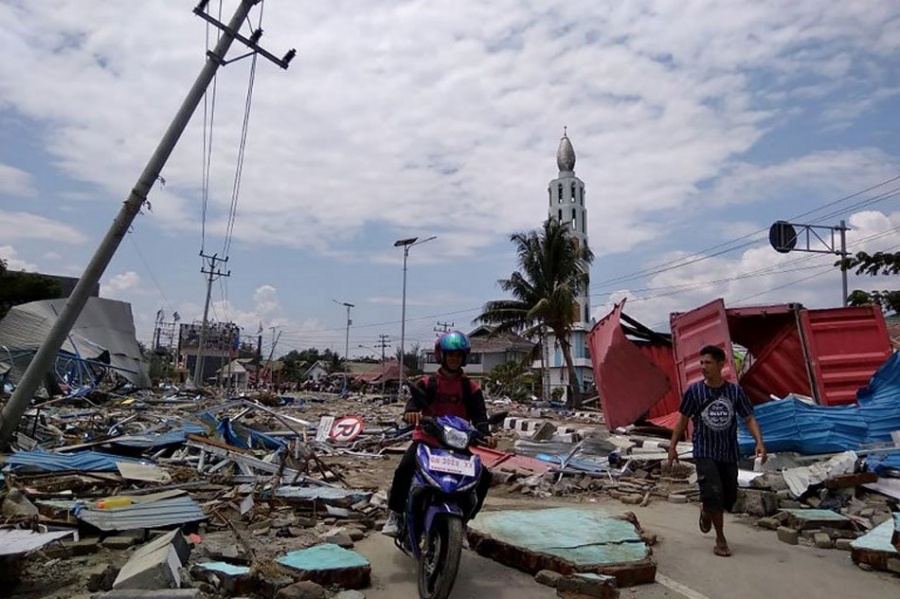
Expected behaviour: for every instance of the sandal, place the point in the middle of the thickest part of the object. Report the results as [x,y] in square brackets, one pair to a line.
[722,551]
[705,526]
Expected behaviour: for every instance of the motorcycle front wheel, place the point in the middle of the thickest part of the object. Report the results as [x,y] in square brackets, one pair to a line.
[440,559]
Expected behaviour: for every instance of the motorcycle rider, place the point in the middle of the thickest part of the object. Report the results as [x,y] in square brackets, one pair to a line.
[442,394]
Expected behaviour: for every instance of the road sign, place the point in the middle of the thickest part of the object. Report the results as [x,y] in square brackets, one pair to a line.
[346,429]
[324,429]
[782,237]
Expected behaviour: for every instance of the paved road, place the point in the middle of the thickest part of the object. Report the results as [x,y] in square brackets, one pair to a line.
[761,565]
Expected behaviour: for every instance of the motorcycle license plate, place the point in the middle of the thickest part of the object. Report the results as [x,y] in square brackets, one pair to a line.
[451,465]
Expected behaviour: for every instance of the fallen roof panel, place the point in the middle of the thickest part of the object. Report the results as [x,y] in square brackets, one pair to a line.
[154,514]
[18,542]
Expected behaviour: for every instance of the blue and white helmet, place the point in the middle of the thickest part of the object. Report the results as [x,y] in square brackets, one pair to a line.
[452,341]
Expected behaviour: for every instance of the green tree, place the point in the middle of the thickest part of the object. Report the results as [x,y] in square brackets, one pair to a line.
[877,264]
[410,359]
[512,379]
[23,287]
[553,271]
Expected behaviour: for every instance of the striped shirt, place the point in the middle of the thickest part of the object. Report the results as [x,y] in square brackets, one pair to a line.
[714,411]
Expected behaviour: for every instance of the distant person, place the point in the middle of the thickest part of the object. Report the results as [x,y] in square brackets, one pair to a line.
[713,405]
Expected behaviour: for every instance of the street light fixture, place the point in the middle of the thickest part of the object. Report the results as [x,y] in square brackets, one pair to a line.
[346,341]
[406,244]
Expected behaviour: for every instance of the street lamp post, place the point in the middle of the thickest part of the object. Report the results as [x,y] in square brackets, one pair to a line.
[346,340]
[406,244]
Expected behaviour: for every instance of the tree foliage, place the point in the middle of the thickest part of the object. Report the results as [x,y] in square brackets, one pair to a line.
[23,287]
[552,273]
[512,379]
[877,264]
[296,363]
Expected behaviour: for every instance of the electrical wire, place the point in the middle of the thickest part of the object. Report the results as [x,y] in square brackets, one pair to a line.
[209,115]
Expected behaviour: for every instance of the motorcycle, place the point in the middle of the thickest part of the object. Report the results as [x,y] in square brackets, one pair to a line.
[441,500]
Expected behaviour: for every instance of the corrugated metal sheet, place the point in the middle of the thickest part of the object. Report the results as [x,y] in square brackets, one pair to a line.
[45,461]
[706,325]
[792,425]
[847,345]
[879,401]
[629,383]
[18,542]
[156,514]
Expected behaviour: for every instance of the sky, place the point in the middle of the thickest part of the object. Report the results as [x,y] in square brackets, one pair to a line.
[696,125]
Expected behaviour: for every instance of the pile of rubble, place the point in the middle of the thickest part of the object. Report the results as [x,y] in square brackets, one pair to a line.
[211,496]
[266,496]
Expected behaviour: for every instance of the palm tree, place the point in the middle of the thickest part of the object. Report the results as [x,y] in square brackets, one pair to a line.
[553,271]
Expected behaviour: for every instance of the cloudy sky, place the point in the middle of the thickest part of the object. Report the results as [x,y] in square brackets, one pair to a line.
[696,125]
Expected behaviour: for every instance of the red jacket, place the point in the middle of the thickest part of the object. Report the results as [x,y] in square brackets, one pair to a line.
[449,400]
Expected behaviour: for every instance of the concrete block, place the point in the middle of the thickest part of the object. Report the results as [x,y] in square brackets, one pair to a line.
[788,535]
[150,570]
[548,578]
[101,577]
[588,585]
[769,523]
[159,594]
[676,498]
[329,564]
[788,504]
[302,590]
[173,538]
[349,595]
[339,537]
[843,544]
[823,540]
[893,565]
[758,502]
[118,543]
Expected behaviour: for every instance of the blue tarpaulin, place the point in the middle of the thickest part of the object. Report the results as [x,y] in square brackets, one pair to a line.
[241,436]
[82,461]
[792,425]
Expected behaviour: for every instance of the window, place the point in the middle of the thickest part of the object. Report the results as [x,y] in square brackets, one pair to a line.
[584,223]
[559,218]
[573,193]
[574,220]
[560,189]
[581,195]
[550,196]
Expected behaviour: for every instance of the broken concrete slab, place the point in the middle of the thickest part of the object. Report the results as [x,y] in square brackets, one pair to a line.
[788,535]
[17,505]
[350,595]
[809,519]
[565,540]
[328,564]
[226,578]
[877,547]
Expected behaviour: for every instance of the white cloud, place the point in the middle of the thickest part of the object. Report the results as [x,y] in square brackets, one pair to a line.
[24,225]
[758,276]
[411,115]
[122,285]
[13,263]
[16,182]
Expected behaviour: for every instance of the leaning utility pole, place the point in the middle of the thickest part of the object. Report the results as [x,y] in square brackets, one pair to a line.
[443,327]
[49,349]
[212,274]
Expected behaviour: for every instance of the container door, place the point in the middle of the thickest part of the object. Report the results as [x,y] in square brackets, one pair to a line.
[706,325]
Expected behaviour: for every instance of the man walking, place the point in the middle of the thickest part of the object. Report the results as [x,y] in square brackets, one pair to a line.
[714,404]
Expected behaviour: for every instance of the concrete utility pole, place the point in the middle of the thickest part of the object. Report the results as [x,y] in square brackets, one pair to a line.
[49,349]
[384,342]
[212,274]
[443,327]
[346,339]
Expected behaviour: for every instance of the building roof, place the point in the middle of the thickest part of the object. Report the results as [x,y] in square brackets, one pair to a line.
[484,341]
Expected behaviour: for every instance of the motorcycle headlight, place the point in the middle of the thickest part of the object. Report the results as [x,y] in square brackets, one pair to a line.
[456,439]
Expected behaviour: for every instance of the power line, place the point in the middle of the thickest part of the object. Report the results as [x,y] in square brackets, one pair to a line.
[704,254]
[209,113]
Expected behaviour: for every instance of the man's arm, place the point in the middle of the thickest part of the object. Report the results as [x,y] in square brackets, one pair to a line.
[477,410]
[677,435]
[753,427]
